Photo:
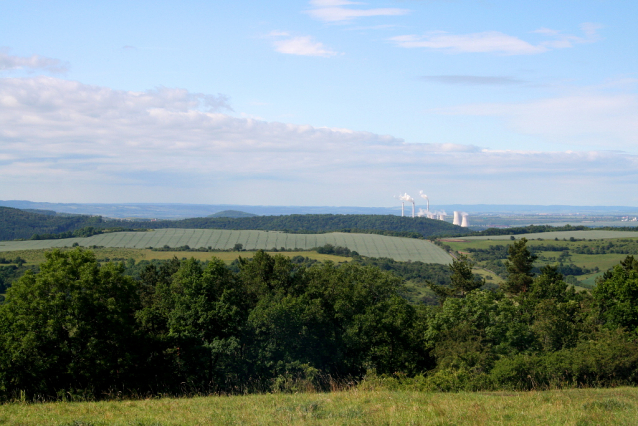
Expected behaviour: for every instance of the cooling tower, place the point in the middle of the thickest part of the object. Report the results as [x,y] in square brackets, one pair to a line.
[457,218]
[464,222]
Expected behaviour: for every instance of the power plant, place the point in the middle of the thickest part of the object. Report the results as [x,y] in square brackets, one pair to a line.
[460,218]
[404,198]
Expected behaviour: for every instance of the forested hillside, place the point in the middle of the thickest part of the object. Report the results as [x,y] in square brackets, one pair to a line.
[312,223]
[16,223]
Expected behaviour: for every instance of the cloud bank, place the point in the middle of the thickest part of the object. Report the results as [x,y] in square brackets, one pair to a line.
[593,119]
[66,141]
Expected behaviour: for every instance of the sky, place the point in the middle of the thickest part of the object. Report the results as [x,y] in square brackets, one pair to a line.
[319,103]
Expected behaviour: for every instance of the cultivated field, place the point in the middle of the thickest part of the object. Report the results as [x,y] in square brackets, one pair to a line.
[401,249]
[592,234]
[578,407]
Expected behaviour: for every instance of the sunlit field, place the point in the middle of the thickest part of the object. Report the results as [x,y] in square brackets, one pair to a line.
[401,249]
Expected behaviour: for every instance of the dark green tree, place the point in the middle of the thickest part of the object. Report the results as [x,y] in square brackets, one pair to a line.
[70,326]
[206,322]
[520,262]
[616,296]
[462,279]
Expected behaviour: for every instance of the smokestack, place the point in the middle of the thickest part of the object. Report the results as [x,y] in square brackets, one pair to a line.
[464,222]
[405,197]
[457,218]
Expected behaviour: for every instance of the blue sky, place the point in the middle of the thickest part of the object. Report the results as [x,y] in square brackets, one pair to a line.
[324,102]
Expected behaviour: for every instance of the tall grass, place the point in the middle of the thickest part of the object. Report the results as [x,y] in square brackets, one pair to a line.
[350,407]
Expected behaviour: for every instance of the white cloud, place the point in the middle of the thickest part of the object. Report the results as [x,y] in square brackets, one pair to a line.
[495,41]
[299,45]
[34,62]
[63,140]
[591,119]
[472,80]
[334,11]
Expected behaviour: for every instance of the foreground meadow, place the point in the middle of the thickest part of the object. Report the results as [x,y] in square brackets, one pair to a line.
[581,407]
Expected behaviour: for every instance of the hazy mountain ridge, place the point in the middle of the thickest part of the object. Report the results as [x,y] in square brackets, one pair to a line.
[182,211]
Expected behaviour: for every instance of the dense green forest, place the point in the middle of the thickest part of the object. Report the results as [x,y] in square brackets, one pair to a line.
[16,223]
[316,223]
[78,327]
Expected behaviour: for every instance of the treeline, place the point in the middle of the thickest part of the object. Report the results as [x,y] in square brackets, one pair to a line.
[493,258]
[87,231]
[20,224]
[81,329]
[335,250]
[533,229]
[319,223]
[619,246]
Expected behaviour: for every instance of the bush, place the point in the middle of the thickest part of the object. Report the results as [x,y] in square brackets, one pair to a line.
[610,360]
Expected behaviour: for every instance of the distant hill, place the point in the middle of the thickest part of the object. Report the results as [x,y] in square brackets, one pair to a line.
[316,223]
[16,223]
[233,214]
[39,211]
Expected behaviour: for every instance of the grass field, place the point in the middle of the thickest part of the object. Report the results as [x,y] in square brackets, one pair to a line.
[578,407]
[401,249]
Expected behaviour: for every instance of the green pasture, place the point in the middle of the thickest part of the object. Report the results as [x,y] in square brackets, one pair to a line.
[589,261]
[577,407]
[397,248]
[591,234]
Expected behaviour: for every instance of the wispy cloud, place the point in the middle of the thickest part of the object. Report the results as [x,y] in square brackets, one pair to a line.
[299,45]
[589,118]
[472,80]
[64,140]
[494,41]
[31,63]
[342,11]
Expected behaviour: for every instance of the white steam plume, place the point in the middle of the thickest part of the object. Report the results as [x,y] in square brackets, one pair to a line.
[425,197]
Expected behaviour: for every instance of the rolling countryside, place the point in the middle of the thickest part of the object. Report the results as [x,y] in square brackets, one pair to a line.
[397,248]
